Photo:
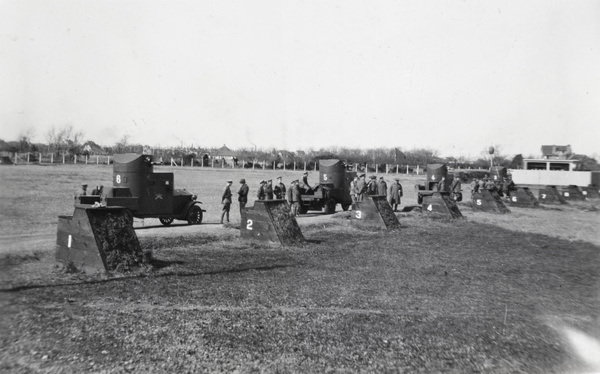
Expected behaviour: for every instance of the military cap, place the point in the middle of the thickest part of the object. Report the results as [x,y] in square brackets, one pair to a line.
[373,177]
[278,177]
[362,175]
[380,177]
[295,181]
[270,180]
[242,180]
[84,185]
[397,179]
[229,181]
[305,173]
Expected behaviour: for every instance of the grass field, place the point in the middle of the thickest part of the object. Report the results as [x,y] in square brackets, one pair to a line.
[490,293]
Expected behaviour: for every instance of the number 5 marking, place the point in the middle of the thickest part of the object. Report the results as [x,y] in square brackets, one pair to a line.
[478,201]
[249,224]
[358,214]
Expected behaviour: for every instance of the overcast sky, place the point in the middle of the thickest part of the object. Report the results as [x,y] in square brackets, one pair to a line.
[456,76]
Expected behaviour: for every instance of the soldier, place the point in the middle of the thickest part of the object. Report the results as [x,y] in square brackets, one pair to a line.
[226,201]
[269,190]
[261,190]
[508,186]
[382,187]
[353,192]
[279,189]
[96,191]
[83,191]
[372,185]
[474,185]
[296,198]
[243,195]
[489,185]
[361,188]
[288,195]
[304,186]
[395,194]
[481,185]
[455,188]
[441,186]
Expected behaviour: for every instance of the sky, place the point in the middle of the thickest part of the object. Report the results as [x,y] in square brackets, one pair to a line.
[452,76]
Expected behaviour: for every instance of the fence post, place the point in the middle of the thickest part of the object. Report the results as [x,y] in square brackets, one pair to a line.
[213,162]
[264,163]
[40,157]
[417,169]
[274,165]
[294,165]
[304,165]
[108,160]
[232,163]
[253,163]
[192,162]
[243,164]
[284,165]
[51,158]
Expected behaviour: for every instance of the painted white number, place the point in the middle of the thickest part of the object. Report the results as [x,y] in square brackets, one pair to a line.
[495,177]
[514,198]
[324,177]
[584,192]
[118,179]
[430,207]
[249,224]
[70,241]
[478,201]
[358,214]
[543,196]
[433,177]
[566,194]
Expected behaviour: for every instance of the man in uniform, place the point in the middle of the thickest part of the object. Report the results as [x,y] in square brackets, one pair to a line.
[279,189]
[296,198]
[372,186]
[269,190]
[83,191]
[441,186]
[455,188]
[96,191]
[382,187]
[474,185]
[304,186]
[261,190]
[395,194]
[243,195]
[489,185]
[226,201]
[353,192]
[361,188]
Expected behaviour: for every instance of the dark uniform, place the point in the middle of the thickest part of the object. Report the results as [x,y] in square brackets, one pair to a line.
[261,191]
[395,194]
[226,201]
[361,188]
[455,189]
[382,187]
[296,199]
[372,186]
[269,190]
[279,189]
[243,194]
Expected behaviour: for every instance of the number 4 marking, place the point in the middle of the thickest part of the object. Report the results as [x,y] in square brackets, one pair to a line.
[249,224]
[430,207]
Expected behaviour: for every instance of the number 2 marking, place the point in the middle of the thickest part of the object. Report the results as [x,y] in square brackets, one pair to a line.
[249,224]
[358,214]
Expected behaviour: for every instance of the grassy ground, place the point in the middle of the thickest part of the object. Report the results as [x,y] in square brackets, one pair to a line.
[491,293]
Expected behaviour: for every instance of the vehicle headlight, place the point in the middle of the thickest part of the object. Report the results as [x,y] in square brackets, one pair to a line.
[194,197]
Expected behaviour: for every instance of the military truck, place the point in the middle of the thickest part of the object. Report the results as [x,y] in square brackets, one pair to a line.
[333,188]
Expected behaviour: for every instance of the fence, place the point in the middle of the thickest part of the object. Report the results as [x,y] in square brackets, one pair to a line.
[219,163]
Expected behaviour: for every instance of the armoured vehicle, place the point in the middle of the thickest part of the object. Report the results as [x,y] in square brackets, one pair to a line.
[147,194]
[333,188]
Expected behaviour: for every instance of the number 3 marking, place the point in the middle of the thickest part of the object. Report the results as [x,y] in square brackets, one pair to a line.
[249,224]
[358,214]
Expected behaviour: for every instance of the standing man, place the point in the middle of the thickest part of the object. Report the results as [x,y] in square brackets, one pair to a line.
[474,185]
[226,201]
[382,187]
[372,186]
[441,186]
[83,191]
[296,198]
[269,190]
[261,190]
[279,189]
[96,191]
[304,186]
[361,188]
[243,196]
[353,192]
[288,195]
[455,188]
[395,194]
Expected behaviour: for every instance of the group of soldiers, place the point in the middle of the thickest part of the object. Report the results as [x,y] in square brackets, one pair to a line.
[359,187]
[96,191]
[266,191]
[503,186]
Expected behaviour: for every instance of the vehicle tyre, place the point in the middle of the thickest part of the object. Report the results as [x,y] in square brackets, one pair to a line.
[165,221]
[194,216]
[302,209]
[329,207]
[345,207]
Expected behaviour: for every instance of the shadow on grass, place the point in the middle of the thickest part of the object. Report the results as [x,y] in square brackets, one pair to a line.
[144,275]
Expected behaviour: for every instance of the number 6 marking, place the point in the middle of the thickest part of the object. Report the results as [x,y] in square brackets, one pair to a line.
[249,224]
[358,214]
[514,198]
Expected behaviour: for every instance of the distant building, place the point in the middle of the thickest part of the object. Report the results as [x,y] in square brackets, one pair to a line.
[554,157]
[556,151]
[226,154]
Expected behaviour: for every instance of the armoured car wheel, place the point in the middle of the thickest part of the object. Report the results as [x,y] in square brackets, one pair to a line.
[165,221]
[330,206]
[345,207]
[194,216]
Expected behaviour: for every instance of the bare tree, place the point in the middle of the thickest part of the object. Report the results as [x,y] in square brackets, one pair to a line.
[65,140]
